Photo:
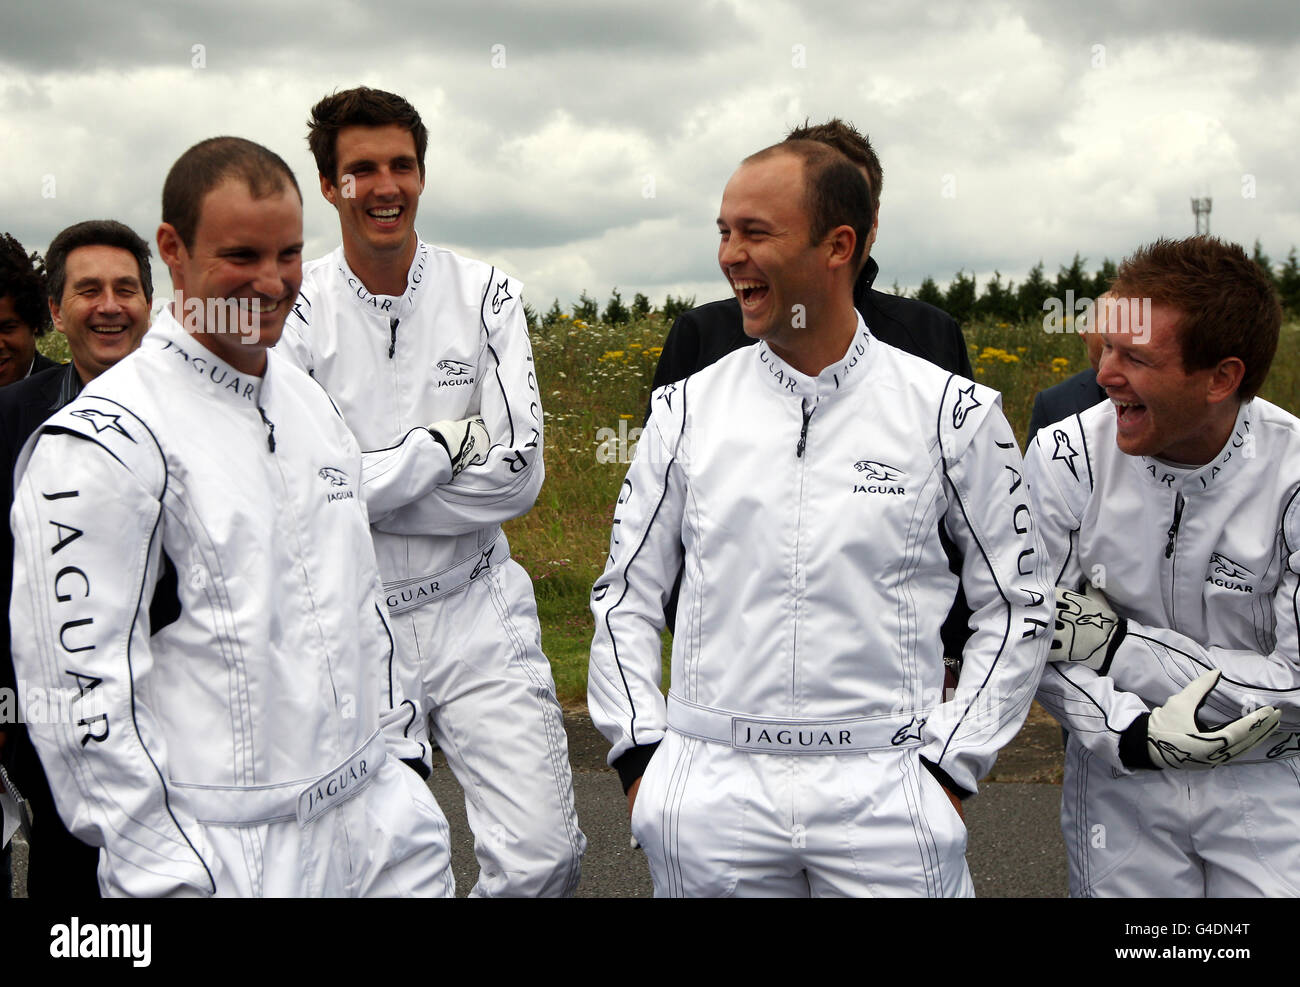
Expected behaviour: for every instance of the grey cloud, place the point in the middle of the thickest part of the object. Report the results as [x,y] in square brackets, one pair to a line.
[243,33]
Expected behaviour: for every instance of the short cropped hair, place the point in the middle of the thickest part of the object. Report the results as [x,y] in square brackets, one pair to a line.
[835,193]
[360,107]
[849,141]
[22,278]
[1229,307]
[209,163]
[95,233]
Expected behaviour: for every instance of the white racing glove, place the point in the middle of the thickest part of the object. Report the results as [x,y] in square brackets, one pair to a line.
[1087,630]
[1176,740]
[466,441]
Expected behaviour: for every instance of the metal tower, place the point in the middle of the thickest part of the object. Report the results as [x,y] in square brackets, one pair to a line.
[1201,207]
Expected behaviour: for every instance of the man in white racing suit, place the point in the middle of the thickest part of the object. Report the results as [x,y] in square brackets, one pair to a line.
[822,493]
[426,354]
[1175,503]
[195,591]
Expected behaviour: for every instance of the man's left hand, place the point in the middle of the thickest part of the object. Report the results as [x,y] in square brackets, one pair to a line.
[1087,630]
[956,803]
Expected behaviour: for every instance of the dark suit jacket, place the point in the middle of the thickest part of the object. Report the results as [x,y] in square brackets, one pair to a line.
[40,364]
[59,864]
[1069,397]
[704,335]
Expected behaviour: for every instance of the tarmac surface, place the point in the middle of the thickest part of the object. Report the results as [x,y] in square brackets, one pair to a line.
[1015,848]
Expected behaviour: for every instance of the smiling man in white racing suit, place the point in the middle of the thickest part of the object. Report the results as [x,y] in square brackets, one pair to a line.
[817,491]
[246,739]
[426,354]
[1176,503]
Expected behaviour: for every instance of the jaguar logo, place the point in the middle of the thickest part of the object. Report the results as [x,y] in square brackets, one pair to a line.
[878,471]
[334,476]
[454,368]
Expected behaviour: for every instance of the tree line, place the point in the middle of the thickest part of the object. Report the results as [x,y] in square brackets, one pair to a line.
[963,299]
[1013,303]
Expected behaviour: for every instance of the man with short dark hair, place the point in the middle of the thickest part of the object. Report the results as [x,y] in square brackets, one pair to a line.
[426,354]
[240,736]
[100,289]
[1177,505]
[23,316]
[805,488]
[703,335]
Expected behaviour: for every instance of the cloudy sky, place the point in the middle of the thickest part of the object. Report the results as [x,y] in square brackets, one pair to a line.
[584,144]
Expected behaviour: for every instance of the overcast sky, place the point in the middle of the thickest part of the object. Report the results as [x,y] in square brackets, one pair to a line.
[585,144]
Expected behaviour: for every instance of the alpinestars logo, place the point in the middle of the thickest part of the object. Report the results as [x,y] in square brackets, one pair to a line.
[102,421]
[880,478]
[910,732]
[501,296]
[485,560]
[1228,574]
[458,373]
[1288,747]
[1098,620]
[966,403]
[335,477]
[1064,452]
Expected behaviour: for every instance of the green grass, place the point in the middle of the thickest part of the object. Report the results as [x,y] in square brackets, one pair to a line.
[594,376]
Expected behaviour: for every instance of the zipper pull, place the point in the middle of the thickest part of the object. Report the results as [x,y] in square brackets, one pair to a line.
[1173,528]
[392,337]
[270,429]
[803,432]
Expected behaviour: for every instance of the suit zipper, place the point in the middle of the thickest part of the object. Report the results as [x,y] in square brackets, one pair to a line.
[1179,503]
[270,428]
[392,337]
[803,432]
[1173,528]
[798,538]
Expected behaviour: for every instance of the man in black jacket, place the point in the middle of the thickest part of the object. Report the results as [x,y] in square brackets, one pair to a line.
[704,335]
[100,289]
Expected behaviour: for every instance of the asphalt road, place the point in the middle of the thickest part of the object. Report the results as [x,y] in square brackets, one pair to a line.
[1015,848]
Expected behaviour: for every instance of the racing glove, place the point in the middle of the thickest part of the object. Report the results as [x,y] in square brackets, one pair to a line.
[466,442]
[1171,736]
[1087,630]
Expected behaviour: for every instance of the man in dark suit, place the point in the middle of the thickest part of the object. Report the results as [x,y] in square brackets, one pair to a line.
[99,289]
[23,315]
[1074,394]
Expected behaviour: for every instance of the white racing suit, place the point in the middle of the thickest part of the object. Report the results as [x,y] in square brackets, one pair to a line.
[1203,564]
[825,524]
[456,345]
[196,600]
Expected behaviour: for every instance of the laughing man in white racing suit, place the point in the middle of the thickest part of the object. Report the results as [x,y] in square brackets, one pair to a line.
[1177,503]
[250,741]
[426,354]
[817,490]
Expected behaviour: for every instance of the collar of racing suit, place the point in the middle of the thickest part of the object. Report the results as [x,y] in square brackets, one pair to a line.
[167,335]
[1218,471]
[391,306]
[841,376]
